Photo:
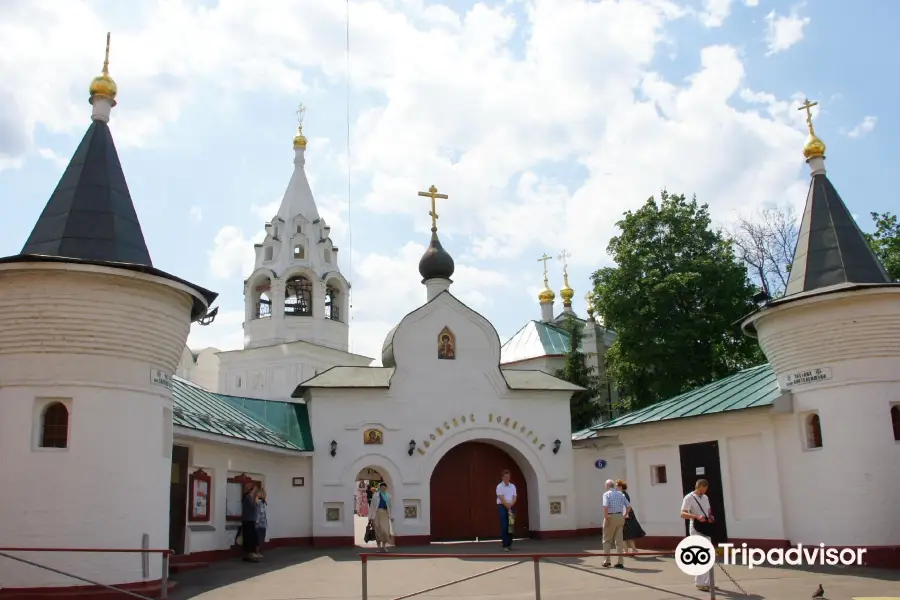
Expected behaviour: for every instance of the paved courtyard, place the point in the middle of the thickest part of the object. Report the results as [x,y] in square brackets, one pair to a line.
[308,574]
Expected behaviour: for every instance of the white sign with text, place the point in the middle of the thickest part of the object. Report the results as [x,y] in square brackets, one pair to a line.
[805,377]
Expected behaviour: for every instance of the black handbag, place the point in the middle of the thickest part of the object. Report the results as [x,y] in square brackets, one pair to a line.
[703,527]
[370,533]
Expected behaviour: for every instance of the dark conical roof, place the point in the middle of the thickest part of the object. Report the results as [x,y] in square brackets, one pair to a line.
[436,263]
[831,248]
[90,215]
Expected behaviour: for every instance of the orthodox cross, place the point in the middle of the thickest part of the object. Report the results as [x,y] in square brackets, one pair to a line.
[544,260]
[564,257]
[806,106]
[301,112]
[106,58]
[433,194]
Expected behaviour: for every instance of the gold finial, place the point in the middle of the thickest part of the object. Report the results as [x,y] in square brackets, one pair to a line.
[567,293]
[433,194]
[546,294]
[103,85]
[300,139]
[814,147]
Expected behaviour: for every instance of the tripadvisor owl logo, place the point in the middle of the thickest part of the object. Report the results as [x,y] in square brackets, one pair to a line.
[695,555]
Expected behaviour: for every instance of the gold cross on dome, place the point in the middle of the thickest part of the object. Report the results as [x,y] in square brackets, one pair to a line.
[544,260]
[301,112]
[806,106]
[433,194]
[564,257]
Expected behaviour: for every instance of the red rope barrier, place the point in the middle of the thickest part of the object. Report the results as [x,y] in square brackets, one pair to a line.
[512,555]
[97,550]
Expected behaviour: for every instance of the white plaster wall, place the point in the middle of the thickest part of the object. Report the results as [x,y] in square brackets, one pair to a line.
[203,371]
[855,335]
[425,397]
[547,364]
[748,455]
[289,508]
[274,372]
[89,336]
[590,481]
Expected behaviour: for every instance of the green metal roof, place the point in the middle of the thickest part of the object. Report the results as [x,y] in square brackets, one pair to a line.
[535,340]
[278,424]
[750,388]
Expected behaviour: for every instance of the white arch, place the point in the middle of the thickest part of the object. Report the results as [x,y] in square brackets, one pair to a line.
[303,271]
[381,463]
[257,275]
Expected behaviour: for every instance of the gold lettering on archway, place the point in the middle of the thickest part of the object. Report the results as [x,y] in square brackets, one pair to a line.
[509,423]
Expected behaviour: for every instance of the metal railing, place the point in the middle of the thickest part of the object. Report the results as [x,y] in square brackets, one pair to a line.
[536,558]
[164,582]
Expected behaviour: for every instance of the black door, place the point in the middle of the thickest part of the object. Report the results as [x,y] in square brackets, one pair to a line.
[178,489]
[701,461]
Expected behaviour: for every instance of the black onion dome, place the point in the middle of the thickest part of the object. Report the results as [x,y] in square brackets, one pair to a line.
[436,263]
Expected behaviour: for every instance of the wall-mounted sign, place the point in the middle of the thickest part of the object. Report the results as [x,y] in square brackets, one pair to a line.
[600,463]
[805,377]
[494,419]
[161,378]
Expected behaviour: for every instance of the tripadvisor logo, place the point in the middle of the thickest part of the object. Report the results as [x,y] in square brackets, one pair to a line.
[696,555]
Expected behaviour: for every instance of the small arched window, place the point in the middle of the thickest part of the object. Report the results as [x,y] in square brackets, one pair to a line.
[55,426]
[813,432]
[264,306]
[299,251]
[269,253]
[895,421]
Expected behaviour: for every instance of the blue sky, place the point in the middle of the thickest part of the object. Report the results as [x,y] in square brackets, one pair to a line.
[543,120]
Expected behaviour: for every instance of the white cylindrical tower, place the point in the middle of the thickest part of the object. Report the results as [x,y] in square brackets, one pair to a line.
[92,333]
[833,340]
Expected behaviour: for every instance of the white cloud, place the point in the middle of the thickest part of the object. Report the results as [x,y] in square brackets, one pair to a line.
[865,127]
[232,254]
[715,12]
[196,213]
[751,3]
[47,154]
[783,31]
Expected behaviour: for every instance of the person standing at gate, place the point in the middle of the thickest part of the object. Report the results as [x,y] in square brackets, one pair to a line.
[615,507]
[380,513]
[506,501]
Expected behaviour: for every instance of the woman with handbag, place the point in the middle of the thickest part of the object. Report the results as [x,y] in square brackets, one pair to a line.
[696,509]
[632,529]
[381,516]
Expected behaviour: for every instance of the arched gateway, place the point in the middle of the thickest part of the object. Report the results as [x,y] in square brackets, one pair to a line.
[463,503]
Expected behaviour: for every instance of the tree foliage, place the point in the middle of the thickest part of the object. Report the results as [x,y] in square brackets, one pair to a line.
[673,300]
[885,242]
[584,406]
[766,244]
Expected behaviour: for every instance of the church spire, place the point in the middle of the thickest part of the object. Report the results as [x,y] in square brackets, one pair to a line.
[566,293]
[546,295]
[831,248]
[436,266]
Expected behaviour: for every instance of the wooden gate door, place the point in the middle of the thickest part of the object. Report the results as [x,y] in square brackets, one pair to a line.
[463,500]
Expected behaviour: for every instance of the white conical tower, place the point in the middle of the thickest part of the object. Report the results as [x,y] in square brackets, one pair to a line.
[296,291]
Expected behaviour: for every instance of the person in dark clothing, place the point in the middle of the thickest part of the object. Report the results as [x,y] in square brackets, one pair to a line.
[632,530]
[249,518]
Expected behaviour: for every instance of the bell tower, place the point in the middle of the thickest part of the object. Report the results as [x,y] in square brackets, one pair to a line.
[296,291]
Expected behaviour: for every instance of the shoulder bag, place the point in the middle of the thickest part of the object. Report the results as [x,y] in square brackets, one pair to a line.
[704,527]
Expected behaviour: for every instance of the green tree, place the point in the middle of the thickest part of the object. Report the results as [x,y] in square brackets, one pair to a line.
[885,242]
[673,299]
[584,406]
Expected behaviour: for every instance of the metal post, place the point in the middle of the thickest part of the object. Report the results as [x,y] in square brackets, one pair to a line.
[712,582]
[145,556]
[365,578]
[537,578]
[164,580]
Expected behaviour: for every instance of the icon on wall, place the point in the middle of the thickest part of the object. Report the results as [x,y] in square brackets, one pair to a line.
[446,344]
[410,511]
[373,436]
[332,514]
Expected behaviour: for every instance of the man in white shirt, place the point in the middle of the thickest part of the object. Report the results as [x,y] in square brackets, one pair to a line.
[506,500]
[615,507]
[695,508]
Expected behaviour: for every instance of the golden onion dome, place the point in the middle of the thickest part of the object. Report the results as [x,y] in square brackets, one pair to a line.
[546,295]
[103,85]
[299,139]
[814,147]
[566,292]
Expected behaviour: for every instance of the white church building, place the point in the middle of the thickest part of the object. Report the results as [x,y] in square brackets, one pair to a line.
[448,408]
